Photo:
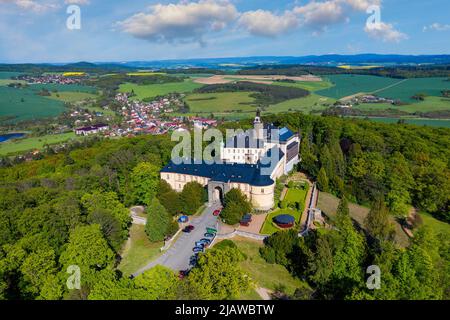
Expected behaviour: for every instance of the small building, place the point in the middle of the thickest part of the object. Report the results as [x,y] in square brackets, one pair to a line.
[96,128]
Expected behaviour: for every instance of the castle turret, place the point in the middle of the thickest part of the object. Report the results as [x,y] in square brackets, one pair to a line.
[258,126]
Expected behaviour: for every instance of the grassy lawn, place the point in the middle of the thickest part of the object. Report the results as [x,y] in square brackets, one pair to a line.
[72,96]
[153,90]
[139,251]
[250,296]
[220,102]
[266,275]
[26,144]
[269,226]
[438,226]
[328,203]
[296,195]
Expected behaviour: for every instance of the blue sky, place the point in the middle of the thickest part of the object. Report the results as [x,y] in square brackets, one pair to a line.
[117,30]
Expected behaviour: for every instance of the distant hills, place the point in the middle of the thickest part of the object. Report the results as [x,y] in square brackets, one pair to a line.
[234,63]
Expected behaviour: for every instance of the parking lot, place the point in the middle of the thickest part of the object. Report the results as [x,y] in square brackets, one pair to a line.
[178,256]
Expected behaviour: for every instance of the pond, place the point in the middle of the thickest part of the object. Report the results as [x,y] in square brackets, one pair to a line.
[9,136]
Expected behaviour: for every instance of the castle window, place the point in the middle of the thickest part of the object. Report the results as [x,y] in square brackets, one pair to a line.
[262,190]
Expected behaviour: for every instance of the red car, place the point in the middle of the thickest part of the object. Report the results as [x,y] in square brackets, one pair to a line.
[217,212]
[188,229]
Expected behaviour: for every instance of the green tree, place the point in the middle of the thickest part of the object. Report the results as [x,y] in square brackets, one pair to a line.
[37,268]
[235,206]
[88,249]
[377,222]
[218,275]
[349,252]
[145,181]
[322,181]
[158,283]
[158,221]
[192,197]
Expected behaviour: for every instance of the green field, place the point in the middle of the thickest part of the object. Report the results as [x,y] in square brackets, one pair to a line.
[311,103]
[72,96]
[266,275]
[138,251]
[26,104]
[8,75]
[25,144]
[154,90]
[347,85]
[404,90]
[311,86]
[397,89]
[220,102]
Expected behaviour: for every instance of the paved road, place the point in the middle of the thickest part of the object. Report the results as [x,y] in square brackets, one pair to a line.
[178,255]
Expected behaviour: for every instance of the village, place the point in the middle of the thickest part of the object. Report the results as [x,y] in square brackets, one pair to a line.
[140,117]
[49,78]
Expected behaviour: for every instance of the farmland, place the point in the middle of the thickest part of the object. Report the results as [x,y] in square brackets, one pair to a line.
[72,96]
[153,90]
[26,104]
[221,102]
[347,85]
[397,89]
[20,145]
[311,103]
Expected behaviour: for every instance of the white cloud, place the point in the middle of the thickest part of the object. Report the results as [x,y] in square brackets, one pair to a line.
[33,5]
[361,5]
[79,2]
[266,24]
[385,32]
[437,27]
[183,21]
[319,15]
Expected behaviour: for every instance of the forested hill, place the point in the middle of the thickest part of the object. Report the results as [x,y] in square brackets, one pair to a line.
[72,208]
[404,164]
[401,72]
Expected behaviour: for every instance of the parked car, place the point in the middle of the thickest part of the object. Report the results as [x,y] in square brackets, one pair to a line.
[209,235]
[207,241]
[217,212]
[193,260]
[188,229]
[244,223]
[247,217]
[200,244]
[183,219]
[183,273]
[198,250]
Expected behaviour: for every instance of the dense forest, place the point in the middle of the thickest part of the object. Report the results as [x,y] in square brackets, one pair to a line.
[265,94]
[70,208]
[400,72]
[407,165]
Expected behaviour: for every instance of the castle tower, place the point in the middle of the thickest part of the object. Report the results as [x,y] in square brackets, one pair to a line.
[258,126]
